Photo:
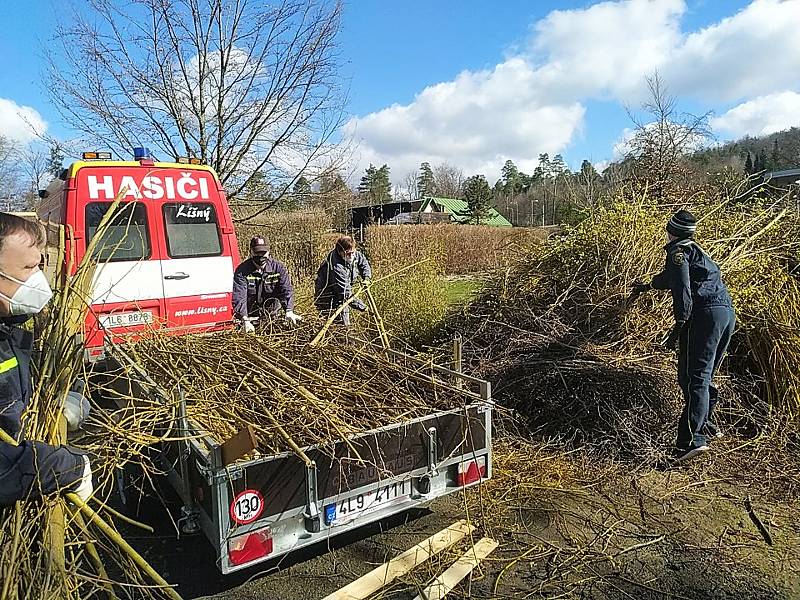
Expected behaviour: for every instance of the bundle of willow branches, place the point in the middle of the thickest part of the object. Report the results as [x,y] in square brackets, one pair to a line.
[60,547]
[292,393]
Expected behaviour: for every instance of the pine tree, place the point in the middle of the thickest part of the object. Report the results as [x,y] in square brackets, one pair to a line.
[365,186]
[544,167]
[55,162]
[588,171]
[511,179]
[558,166]
[478,195]
[425,182]
[774,157]
[375,187]
[761,161]
[301,192]
[258,189]
[383,186]
[748,165]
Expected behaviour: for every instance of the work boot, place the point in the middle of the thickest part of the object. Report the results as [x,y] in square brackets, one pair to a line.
[711,431]
[682,455]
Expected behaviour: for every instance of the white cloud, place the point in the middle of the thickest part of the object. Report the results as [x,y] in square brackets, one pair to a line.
[20,123]
[535,102]
[605,50]
[761,116]
[755,51]
[476,122]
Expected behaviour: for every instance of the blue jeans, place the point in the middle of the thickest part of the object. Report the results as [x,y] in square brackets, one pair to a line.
[704,341]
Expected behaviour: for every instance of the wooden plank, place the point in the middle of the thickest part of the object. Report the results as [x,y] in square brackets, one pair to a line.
[243,442]
[444,583]
[400,565]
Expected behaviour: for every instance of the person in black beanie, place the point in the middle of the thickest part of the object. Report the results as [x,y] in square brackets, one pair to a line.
[704,323]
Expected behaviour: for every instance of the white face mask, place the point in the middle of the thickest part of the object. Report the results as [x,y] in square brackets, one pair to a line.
[31,297]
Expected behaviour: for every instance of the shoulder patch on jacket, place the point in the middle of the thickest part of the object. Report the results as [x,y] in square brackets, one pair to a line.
[678,258]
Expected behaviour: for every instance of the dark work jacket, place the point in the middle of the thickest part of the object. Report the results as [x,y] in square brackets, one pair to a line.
[31,468]
[261,288]
[693,278]
[335,279]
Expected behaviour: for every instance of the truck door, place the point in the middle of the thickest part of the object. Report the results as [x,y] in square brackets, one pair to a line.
[197,266]
[127,292]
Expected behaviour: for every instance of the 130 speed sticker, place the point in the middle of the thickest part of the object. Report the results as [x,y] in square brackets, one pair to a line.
[247,506]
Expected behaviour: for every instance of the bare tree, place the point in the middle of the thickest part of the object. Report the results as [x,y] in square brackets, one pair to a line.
[248,86]
[448,180]
[411,186]
[657,149]
[9,164]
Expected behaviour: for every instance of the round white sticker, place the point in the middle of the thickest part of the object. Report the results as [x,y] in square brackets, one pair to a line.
[247,506]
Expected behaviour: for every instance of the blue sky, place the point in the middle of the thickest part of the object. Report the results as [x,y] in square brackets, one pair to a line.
[474,83]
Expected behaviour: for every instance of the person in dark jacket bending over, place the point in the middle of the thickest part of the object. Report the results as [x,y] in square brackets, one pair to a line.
[704,323]
[29,469]
[336,276]
[262,287]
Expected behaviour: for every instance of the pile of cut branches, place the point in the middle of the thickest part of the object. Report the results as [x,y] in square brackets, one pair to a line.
[565,346]
[292,393]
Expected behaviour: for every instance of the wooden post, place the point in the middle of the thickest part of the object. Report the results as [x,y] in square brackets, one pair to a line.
[457,360]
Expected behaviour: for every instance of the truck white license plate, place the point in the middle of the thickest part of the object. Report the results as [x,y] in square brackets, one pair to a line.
[355,506]
[126,319]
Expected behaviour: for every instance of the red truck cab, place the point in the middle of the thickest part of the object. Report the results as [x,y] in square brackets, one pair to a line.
[168,258]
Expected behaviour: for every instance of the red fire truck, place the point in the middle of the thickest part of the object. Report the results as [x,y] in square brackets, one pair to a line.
[169,256]
[168,262]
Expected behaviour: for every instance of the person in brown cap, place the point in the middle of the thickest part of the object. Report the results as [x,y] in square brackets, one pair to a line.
[262,288]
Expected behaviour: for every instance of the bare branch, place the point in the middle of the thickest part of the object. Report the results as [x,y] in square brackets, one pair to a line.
[245,85]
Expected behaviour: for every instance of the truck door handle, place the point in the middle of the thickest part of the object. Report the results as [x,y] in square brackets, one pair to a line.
[178,275]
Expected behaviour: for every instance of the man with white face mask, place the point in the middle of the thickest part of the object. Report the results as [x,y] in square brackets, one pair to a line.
[336,276]
[31,468]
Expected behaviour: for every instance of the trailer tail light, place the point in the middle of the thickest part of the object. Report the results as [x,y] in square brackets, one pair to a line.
[471,471]
[251,546]
[92,355]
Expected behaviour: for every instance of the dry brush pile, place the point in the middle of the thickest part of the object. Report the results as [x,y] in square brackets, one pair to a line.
[565,347]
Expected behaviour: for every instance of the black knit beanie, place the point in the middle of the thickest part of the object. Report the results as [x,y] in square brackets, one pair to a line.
[682,224]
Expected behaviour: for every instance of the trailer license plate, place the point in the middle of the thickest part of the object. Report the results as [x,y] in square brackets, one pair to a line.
[126,319]
[355,506]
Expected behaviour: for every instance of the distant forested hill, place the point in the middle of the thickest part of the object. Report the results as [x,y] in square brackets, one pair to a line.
[772,152]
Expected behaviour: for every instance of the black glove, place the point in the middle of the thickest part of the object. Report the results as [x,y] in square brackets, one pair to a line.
[671,341]
[637,287]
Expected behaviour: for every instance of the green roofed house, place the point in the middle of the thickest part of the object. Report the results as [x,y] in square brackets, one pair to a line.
[457,210]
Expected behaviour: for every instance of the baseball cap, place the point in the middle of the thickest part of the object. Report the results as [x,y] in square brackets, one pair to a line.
[259,244]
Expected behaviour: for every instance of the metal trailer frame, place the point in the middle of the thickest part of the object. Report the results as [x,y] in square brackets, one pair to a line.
[421,457]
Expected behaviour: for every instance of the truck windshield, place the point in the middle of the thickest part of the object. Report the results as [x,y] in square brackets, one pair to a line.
[192,230]
[128,236]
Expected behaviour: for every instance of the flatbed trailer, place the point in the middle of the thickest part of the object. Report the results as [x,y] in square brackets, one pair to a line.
[267,506]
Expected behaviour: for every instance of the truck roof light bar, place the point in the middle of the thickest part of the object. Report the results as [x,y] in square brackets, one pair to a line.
[188,160]
[96,155]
